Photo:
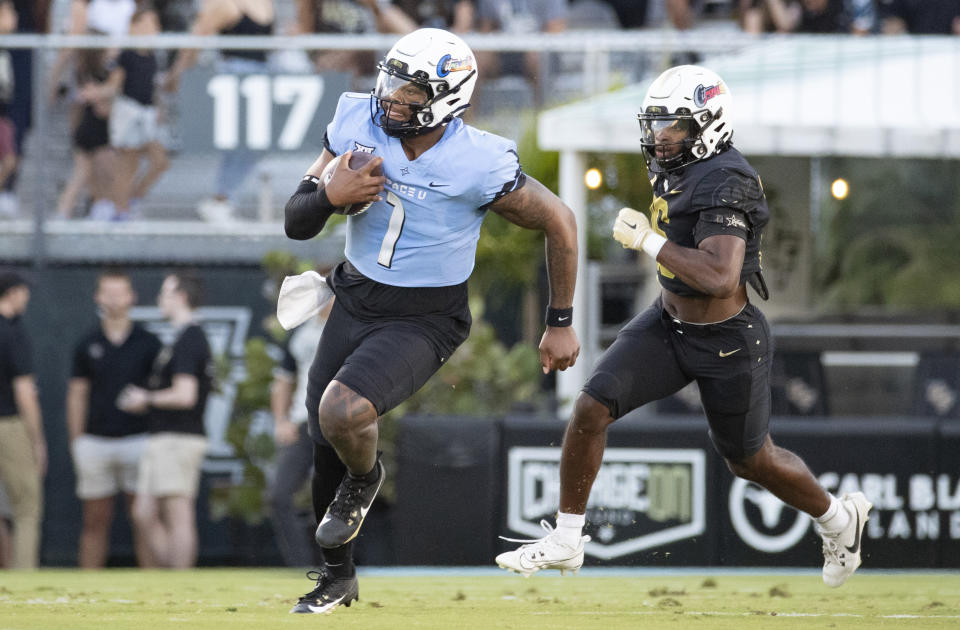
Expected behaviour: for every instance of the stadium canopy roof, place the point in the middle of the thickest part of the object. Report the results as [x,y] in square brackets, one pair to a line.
[792,96]
[804,96]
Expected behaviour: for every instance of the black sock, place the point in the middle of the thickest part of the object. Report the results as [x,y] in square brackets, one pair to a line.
[328,472]
[370,477]
[339,560]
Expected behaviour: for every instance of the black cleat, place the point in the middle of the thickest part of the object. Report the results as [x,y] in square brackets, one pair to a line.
[343,519]
[330,592]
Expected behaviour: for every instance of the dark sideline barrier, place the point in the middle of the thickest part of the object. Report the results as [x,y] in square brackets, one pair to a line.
[665,498]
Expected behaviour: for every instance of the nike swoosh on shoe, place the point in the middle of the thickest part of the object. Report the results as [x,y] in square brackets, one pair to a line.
[535,564]
[523,563]
[856,541]
[327,607]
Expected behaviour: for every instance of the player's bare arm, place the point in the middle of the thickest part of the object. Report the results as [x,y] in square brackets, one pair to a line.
[534,207]
[310,206]
[713,268]
[78,396]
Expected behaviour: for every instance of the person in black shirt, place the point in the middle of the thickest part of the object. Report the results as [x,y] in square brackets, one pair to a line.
[229,17]
[920,17]
[706,222]
[134,118]
[802,16]
[176,398]
[23,449]
[9,155]
[352,16]
[107,443]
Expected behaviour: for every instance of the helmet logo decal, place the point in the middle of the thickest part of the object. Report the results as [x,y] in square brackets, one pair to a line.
[448,64]
[702,94]
[434,61]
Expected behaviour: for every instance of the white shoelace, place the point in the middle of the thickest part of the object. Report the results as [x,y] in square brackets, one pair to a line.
[831,549]
[527,541]
[547,541]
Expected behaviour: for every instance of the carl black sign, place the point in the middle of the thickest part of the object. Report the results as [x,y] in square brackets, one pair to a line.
[893,462]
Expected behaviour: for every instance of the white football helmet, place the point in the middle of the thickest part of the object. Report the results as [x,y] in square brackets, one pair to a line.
[691,99]
[443,71]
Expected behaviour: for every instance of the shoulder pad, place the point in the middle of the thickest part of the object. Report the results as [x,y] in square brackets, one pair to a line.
[729,188]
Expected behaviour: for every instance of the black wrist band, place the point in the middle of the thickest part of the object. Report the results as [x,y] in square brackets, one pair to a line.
[312,179]
[559,317]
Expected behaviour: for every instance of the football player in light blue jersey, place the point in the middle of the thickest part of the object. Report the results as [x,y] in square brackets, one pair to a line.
[401,307]
[424,231]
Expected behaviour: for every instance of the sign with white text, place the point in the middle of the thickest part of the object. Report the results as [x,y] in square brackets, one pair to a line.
[641,499]
[257,112]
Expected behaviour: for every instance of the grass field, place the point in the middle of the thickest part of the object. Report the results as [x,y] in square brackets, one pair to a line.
[233,599]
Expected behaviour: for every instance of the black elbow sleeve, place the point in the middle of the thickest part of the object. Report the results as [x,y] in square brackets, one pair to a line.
[306,212]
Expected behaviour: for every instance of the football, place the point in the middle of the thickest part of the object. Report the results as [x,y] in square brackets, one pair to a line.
[358,160]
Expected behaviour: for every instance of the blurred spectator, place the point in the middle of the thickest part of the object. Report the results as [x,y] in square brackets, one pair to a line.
[796,16]
[920,17]
[518,18]
[169,475]
[453,15]
[863,16]
[175,17]
[93,159]
[294,461]
[591,15]
[228,17]
[633,13]
[133,118]
[107,443]
[8,134]
[174,14]
[109,17]
[687,14]
[93,165]
[349,16]
[682,14]
[23,448]
[96,17]
[32,17]
[6,542]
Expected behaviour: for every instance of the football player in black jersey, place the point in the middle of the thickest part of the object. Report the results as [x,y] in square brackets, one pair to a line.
[704,231]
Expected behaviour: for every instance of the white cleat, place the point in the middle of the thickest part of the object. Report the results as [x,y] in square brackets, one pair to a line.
[841,550]
[548,552]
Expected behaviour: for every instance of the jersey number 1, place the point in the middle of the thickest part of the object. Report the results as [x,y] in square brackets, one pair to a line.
[389,244]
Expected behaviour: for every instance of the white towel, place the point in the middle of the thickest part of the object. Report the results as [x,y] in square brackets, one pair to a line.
[301,297]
